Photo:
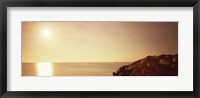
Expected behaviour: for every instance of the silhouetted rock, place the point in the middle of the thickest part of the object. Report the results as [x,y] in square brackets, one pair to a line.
[163,65]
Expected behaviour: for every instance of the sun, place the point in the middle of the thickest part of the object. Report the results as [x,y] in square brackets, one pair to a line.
[46,33]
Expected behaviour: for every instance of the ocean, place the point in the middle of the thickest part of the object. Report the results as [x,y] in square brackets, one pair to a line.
[71,68]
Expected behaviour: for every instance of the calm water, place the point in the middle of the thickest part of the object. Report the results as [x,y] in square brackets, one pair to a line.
[71,69]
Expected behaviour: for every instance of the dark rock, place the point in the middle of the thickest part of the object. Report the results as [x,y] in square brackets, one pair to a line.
[163,65]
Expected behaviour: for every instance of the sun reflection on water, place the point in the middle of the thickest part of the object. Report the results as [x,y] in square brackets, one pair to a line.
[44,69]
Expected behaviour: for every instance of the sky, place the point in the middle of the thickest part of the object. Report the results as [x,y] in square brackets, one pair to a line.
[97,41]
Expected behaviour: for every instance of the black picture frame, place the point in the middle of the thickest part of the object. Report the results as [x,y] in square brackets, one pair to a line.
[98,3]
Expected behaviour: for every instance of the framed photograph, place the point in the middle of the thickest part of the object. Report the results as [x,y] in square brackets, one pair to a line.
[109,49]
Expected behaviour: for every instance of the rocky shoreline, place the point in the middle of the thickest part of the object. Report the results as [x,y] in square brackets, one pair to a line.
[163,65]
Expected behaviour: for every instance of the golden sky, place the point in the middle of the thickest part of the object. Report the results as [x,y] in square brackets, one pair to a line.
[97,41]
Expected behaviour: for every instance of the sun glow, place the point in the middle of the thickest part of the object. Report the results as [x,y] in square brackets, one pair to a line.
[44,69]
[46,33]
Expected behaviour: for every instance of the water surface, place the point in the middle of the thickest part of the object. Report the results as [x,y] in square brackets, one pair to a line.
[71,69]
